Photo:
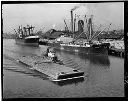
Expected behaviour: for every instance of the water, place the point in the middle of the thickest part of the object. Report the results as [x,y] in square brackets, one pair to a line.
[105,75]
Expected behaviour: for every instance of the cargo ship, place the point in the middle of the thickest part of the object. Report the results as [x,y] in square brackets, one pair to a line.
[25,36]
[89,46]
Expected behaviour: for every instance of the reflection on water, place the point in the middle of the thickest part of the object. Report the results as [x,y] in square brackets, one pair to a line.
[93,58]
[104,75]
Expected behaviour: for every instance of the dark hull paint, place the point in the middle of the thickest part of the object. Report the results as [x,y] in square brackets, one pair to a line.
[86,50]
[28,42]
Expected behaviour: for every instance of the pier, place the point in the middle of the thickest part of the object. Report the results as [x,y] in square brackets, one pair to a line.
[117,48]
[116,52]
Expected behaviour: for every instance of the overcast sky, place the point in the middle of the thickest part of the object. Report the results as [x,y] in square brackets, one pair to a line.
[51,15]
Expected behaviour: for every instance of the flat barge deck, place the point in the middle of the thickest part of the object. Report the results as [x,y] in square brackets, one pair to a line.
[56,72]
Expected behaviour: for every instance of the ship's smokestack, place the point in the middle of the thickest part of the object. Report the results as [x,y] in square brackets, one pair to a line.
[72,20]
[74,8]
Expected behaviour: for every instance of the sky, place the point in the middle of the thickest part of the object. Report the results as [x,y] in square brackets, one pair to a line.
[44,16]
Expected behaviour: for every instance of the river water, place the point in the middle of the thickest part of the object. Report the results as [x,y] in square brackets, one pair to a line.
[104,75]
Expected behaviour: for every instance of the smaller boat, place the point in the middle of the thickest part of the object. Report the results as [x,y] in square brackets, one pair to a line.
[25,36]
[51,67]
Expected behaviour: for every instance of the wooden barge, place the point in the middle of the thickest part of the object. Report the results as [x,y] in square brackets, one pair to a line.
[55,71]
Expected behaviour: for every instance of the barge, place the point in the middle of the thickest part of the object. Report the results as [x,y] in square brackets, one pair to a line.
[55,71]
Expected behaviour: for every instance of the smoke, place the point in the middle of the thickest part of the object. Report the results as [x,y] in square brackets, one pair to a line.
[75,7]
[86,5]
[53,26]
[81,8]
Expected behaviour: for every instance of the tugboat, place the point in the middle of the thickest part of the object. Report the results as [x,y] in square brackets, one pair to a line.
[25,36]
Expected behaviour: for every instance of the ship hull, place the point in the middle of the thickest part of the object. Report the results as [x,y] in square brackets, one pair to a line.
[28,42]
[95,49]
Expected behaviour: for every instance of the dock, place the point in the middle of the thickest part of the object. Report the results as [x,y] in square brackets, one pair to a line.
[56,72]
[116,52]
[116,48]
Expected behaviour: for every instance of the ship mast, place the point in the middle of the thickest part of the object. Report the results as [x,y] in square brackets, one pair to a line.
[25,32]
[66,26]
[90,30]
[30,29]
[16,33]
[20,30]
